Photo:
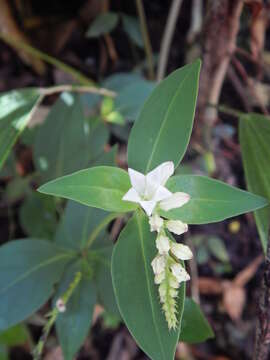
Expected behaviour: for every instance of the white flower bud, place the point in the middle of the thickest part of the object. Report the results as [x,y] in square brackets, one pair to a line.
[176,226]
[163,244]
[156,223]
[176,200]
[180,273]
[182,252]
[61,307]
[158,264]
[159,278]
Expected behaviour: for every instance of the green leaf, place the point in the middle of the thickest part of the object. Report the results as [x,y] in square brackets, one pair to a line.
[73,325]
[166,118]
[82,227]
[62,142]
[101,257]
[254,140]
[101,187]
[137,295]
[103,24]
[211,200]
[79,223]
[16,109]
[195,327]
[4,352]
[217,248]
[28,271]
[132,28]
[38,216]
[16,335]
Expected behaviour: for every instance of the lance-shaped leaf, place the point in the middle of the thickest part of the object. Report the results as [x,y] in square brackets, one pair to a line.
[195,327]
[101,187]
[73,325]
[255,140]
[210,200]
[28,271]
[163,129]
[16,109]
[137,295]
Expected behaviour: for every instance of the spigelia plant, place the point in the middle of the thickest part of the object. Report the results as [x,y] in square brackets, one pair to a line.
[147,265]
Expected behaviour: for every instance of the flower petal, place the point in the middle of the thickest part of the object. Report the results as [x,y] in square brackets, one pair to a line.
[176,226]
[132,196]
[161,173]
[176,200]
[158,264]
[181,251]
[156,223]
[148,206]
[180,273]
[161,194]
[163,244]
[138,181]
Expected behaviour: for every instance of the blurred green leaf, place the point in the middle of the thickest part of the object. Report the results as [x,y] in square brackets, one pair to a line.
[103,24]
[135,290]
[16,335]
[28,271]
[254,140]
[195,327]
[38,216]
[166,118]
[218,249]
[67,141]
[4,352]
[202,255]
[16,109]
[132,28]
[17,188]
[210,200]
[102,187]
[73,325]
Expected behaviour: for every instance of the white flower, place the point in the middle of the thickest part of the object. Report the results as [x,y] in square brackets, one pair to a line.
[156,223]
[180,273]
[159,278]
[148,190]
[61,307]
[176,200]
[182,252]
[176,226]
[163,244]
[158,264]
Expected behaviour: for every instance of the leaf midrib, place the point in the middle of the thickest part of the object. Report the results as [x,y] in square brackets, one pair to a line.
[164,122]
[148,285]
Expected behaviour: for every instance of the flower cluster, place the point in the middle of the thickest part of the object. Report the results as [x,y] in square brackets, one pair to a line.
[152,195]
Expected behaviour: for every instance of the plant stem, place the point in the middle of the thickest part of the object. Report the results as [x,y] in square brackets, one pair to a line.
[167,38]
[37,353]
[76,88]
[146,38]
[78,76]
[227,110]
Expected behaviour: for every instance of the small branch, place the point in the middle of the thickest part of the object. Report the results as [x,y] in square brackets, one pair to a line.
[146,38]
[78,76]
[227,110]
[167,38]
[37,353]
[196,20]
[262,341]
[75,88]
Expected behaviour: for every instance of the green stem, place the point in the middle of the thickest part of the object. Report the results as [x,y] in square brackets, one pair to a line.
[76,88]
[227,110]
[100,227]
[146,38]
[37,353]
[78,76]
